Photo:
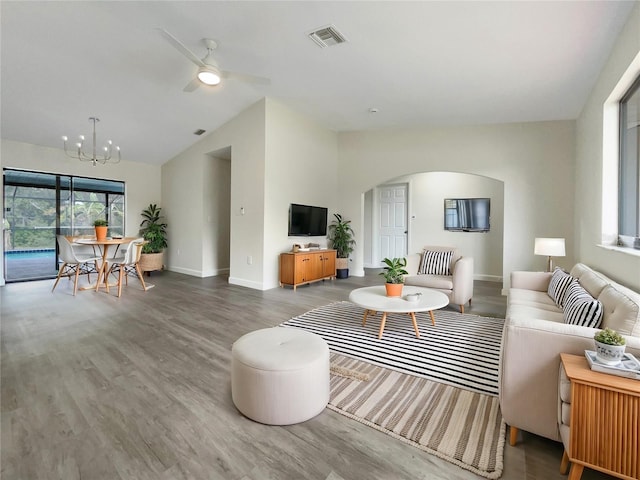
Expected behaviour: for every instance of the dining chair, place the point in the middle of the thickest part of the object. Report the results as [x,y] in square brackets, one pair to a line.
[74,263]
[127,264]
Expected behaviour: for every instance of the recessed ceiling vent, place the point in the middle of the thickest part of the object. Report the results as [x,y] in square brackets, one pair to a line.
[199,132]
[327,36]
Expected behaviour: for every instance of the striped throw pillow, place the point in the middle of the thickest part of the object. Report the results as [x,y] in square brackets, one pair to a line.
[435,263]
[558,285]
[580,308]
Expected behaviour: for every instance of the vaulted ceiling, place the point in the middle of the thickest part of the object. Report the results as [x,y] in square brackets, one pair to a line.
[417,63]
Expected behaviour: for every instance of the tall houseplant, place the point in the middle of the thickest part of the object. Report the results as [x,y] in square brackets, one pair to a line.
[341,238]
[154,231]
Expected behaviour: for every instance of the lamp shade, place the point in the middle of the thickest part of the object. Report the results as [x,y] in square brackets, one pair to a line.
[551,247]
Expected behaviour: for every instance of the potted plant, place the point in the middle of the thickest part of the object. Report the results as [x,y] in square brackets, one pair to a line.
[610,346]
[393,274]
[101,226]
[341,238]
[154,231]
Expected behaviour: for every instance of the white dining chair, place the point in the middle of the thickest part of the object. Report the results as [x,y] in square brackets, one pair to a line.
[73,263]
[127,264]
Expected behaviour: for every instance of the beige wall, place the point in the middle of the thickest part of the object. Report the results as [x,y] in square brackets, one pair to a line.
[535,161]
[623,267]
[142,180]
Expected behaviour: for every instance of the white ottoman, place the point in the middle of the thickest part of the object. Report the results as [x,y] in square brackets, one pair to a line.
[280,376]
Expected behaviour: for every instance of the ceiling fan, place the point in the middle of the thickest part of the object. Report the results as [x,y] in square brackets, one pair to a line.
[209,73]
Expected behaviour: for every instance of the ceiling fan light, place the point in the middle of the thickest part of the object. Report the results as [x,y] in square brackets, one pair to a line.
[208,76]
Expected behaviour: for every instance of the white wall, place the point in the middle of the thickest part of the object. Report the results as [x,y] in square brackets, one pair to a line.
[534,160]
[188,205]
[622,267]
[278,157]
[301,167]
[427,192]
[142,181]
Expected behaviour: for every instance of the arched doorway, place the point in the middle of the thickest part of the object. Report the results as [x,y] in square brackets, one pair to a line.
[426,193]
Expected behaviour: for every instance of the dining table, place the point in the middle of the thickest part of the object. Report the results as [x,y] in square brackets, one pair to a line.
[103,245]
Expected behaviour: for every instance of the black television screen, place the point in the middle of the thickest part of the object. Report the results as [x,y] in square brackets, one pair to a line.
[307,221]
[467,214]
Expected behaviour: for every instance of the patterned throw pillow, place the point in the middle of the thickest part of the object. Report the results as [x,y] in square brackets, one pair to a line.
[435,263]
[580,308]
[558,285]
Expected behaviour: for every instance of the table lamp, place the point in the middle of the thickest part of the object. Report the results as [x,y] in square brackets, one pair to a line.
[551,247]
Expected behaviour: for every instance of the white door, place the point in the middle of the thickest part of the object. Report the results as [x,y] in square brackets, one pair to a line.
[392,221]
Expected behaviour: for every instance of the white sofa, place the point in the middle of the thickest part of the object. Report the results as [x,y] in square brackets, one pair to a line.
[534,336]
[458,286]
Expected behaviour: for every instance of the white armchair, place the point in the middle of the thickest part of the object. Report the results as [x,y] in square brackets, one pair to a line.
[458,286]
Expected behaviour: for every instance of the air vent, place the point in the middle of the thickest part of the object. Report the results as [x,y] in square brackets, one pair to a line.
[327,36]
[199,132]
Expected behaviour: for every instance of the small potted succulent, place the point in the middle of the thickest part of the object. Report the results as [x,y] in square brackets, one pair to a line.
[101,226]
[393,274]
[609,346]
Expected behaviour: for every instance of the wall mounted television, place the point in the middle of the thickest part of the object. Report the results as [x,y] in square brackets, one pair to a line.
[307,221]
[467,214]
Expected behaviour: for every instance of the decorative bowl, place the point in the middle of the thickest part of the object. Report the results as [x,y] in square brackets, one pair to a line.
[413,297]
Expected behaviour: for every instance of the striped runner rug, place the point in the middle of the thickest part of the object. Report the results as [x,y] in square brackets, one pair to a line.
[459,426]
[461,350]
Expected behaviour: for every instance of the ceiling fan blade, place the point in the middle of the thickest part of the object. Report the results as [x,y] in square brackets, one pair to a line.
[192,85]
[178,45]
[245,77]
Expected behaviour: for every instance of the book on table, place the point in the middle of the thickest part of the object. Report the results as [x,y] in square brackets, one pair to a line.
[628,367]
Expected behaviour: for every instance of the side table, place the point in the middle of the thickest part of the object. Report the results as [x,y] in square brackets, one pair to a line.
[604,422]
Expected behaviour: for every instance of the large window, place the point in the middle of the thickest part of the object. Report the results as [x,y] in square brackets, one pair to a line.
[38,206]
[629,171]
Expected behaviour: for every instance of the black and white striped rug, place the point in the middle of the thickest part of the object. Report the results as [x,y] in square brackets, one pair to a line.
[460,350]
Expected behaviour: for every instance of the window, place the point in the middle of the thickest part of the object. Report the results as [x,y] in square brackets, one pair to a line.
[38,206]
[629,168]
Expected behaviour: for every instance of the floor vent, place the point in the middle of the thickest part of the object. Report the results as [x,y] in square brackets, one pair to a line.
[199,132]
[327,36]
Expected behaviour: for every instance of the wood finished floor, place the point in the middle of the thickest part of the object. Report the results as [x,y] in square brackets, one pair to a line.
[96,387]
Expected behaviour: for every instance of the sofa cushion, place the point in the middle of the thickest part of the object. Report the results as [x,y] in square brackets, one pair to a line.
[435,262]
[580,308]
[621,310]
[592,281]
[532,298]
[558,285]
[533,315]
[440,282]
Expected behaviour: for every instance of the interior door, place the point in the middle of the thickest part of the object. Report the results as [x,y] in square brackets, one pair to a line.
[392,221]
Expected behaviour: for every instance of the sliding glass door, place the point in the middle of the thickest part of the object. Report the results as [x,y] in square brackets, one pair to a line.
[38,206]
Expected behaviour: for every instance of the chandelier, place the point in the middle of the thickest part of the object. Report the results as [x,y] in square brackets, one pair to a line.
[95,157]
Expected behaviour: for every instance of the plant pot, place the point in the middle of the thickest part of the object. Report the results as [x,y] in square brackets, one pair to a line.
[394,289]
[342,273]
[150,262]
[609,354]
[101,233]
[342,268]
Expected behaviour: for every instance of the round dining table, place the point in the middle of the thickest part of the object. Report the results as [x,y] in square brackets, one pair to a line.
[103,245]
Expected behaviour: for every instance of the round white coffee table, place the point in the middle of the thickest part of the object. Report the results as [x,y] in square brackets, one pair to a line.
[374,299]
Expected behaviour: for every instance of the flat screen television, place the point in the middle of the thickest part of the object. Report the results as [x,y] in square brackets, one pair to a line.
[307,221]
[467,214]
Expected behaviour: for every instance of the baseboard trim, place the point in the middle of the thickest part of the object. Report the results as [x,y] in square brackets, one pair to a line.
[488,278]
[248,283]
